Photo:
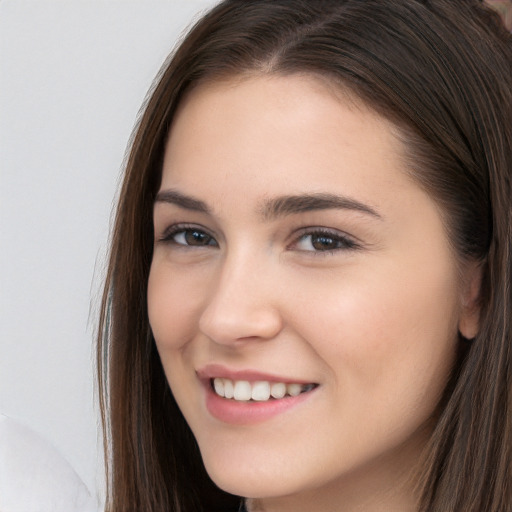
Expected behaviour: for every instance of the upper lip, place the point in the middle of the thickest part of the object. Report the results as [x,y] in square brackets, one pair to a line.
[212,371]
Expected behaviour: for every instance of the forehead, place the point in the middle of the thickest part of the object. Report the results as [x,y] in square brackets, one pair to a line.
[277,127]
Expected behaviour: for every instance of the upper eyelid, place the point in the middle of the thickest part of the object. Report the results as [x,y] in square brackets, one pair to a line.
[312,230]
[173,229]
[348,242]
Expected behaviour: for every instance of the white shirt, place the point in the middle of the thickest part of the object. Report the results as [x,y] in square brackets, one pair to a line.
[35,477]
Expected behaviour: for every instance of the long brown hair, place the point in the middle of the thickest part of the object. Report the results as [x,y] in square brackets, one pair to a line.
[441,70]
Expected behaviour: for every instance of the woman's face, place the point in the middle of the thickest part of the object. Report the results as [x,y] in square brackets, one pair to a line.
[299,268]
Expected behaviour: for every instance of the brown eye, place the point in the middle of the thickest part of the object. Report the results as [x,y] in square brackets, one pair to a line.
[194,237]
[191,238]
[324,242]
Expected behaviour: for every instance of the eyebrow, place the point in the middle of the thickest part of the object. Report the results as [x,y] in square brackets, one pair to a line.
[289,205]
[188,203]
[274,208]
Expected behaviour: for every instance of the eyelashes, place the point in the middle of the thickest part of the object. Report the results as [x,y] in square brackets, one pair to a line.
[308,240]
[324,241]
[188,236]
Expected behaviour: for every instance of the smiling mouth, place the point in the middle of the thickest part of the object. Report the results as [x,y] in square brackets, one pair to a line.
[259,391]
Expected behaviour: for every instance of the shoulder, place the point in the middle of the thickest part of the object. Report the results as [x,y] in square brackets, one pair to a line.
[35,477]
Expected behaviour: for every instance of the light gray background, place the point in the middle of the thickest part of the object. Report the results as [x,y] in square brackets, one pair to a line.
[73,75]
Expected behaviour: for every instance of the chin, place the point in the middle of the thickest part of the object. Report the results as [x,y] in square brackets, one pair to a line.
[249,481]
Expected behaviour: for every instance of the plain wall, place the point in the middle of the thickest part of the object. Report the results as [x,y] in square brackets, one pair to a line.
[73,75]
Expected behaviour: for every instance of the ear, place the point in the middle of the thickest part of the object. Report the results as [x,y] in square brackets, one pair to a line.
[469,321]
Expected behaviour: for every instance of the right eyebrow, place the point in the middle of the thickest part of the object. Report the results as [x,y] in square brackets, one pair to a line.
[174,197]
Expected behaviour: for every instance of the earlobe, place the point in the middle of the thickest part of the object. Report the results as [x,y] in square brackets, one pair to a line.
[469,321]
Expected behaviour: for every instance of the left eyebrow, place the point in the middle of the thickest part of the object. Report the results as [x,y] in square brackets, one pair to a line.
[289,205]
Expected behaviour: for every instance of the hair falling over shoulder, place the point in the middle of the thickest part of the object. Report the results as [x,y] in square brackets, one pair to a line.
[441,70]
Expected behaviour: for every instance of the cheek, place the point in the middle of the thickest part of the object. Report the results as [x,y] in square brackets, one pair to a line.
[388,339]
[173,306]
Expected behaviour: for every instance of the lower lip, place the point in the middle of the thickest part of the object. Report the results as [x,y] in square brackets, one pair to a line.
[244,413]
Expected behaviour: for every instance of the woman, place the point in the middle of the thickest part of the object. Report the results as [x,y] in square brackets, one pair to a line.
[308,297]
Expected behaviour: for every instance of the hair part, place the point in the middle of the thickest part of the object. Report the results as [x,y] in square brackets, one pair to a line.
[440,71]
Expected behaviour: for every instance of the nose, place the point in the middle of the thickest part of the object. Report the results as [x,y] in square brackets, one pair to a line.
[243,305]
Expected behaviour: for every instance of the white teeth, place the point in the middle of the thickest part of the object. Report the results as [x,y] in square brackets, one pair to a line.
[228,388]
[242,390]
[293,389]
[218,385]
[260,391]
[278,389]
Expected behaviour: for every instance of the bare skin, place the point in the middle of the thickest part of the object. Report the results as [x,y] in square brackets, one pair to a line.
[291,241]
